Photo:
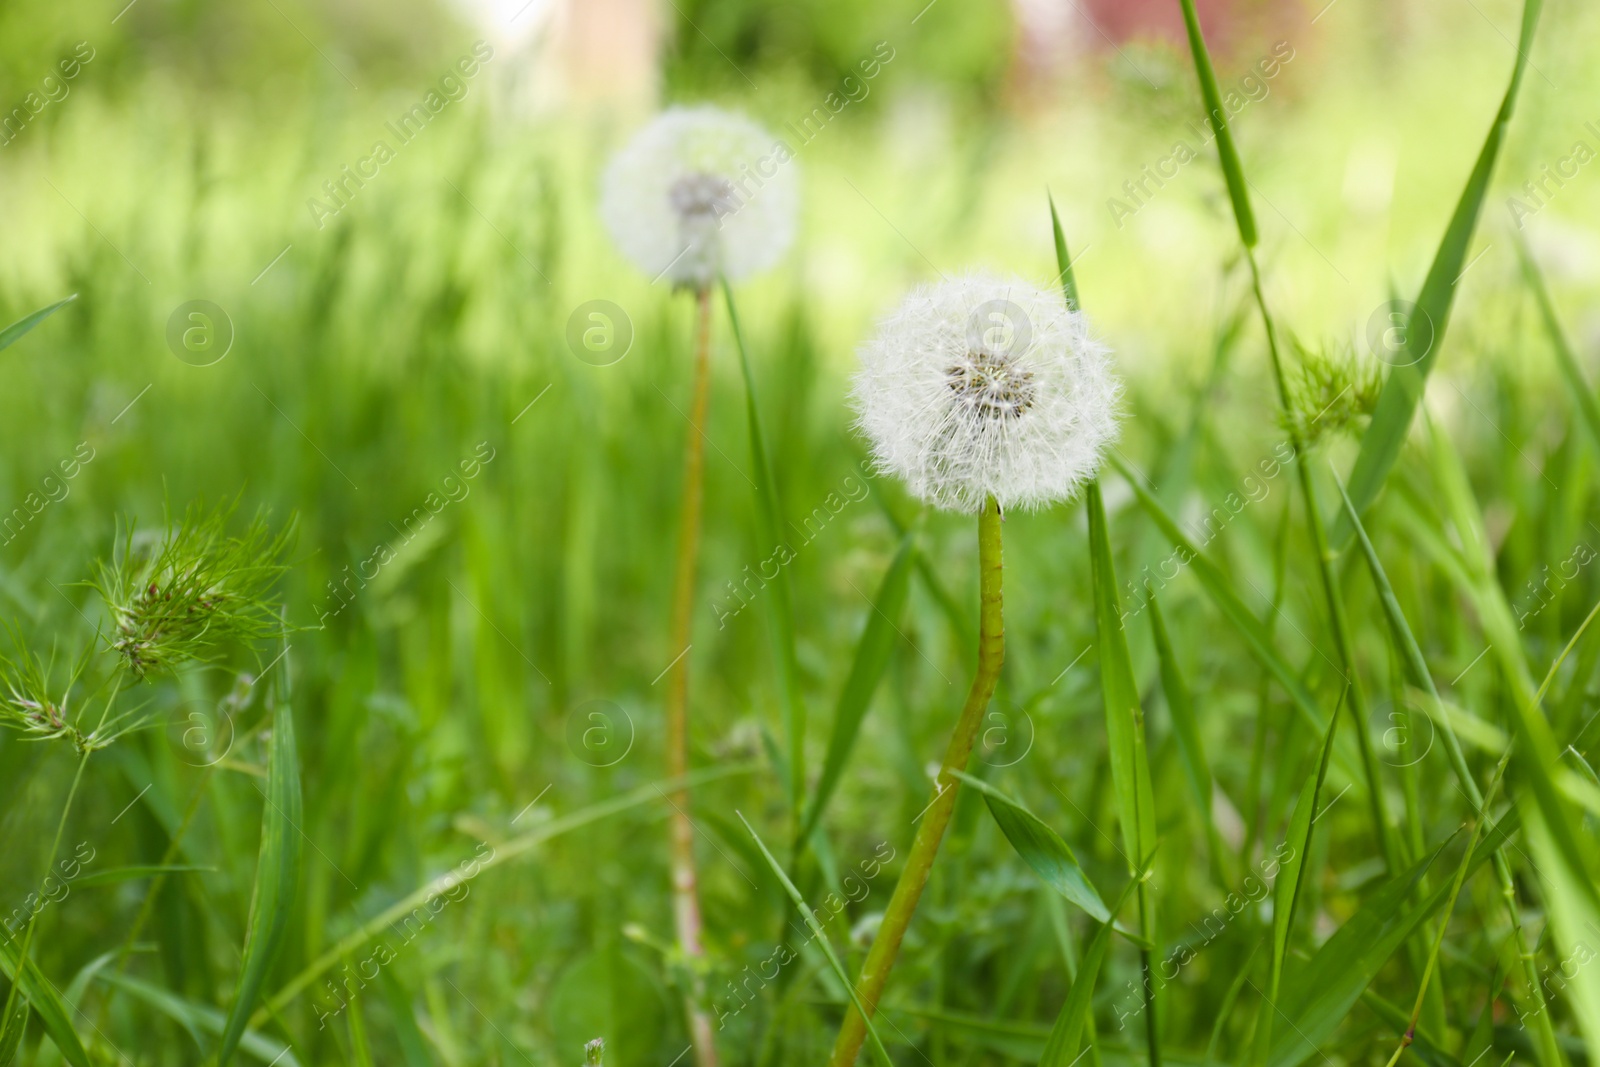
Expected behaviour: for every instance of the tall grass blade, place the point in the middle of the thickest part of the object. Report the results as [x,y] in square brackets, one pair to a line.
[1318,995]
[1286,891]
[1130,765]
[277,875]
[408,1034]
[1069,282]
[1185,728]
[1233,609]
[781,604]
[1402,390]
[14,333]
[820,936]
[1227,154]
[1566,360]
[1061,1047]
[866,670]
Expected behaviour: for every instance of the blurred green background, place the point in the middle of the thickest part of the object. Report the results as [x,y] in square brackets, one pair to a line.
[371,354]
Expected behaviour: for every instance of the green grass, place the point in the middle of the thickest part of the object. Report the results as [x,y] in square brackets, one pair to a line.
[434,832]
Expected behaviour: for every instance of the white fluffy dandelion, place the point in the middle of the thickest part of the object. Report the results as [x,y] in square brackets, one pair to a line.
[983,386]
[700,192]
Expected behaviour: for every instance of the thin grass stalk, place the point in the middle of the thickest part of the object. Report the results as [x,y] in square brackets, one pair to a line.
[1339,622]
[930,832]
[1238,192]
[1546,1044]
[1444,918]
[685,897]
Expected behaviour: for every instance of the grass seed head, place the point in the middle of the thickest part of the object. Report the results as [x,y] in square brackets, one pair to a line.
[188,591]
[983,386]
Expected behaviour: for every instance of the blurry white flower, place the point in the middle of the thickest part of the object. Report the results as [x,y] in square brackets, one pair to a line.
[700,192]
[984,386]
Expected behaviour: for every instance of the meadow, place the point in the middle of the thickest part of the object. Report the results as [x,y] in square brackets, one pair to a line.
[404,794]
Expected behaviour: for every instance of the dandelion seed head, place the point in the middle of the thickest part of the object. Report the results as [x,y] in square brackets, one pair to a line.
[701,192]
[981,386]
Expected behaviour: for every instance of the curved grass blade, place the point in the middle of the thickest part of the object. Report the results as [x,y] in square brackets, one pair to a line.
[518,846]
[1227,154]
[1582,395]
[15,1025]
[53,1012]
[1222,594]
[198,1018]
[1402,390]
[820,936]
[14,333]
[1286,890]
[1061,1047]
[413,1050]
[1319,994]
[781,604]
[1197,770]
[866,670]
[277,875]
[1040,848]
[114,875]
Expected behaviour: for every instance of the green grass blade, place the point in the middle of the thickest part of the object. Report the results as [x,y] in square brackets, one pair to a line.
[1069,282]
[1041,848]
[408,1035]
[277,875]
[1061,1047]
[1318,995]
[1402,390]
[11,1031]
[197,1018]
[521,845]
[1410,650]
[114,875]
[1185,728]
[1227,154]
[820,937]
[1130,769]
[47,1003]
[866,670]
[1286,890]
[1125,736]
[1566,360]
[1233,609]
[781,604]
[14,333]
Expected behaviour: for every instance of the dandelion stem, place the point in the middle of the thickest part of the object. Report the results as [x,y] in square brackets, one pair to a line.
[930,832]
[686,903]
[33,914]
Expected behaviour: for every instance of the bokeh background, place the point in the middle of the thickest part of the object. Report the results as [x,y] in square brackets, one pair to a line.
[370,351]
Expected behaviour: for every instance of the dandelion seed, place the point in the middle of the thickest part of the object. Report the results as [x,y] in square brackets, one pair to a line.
[983,386]
[699,193]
